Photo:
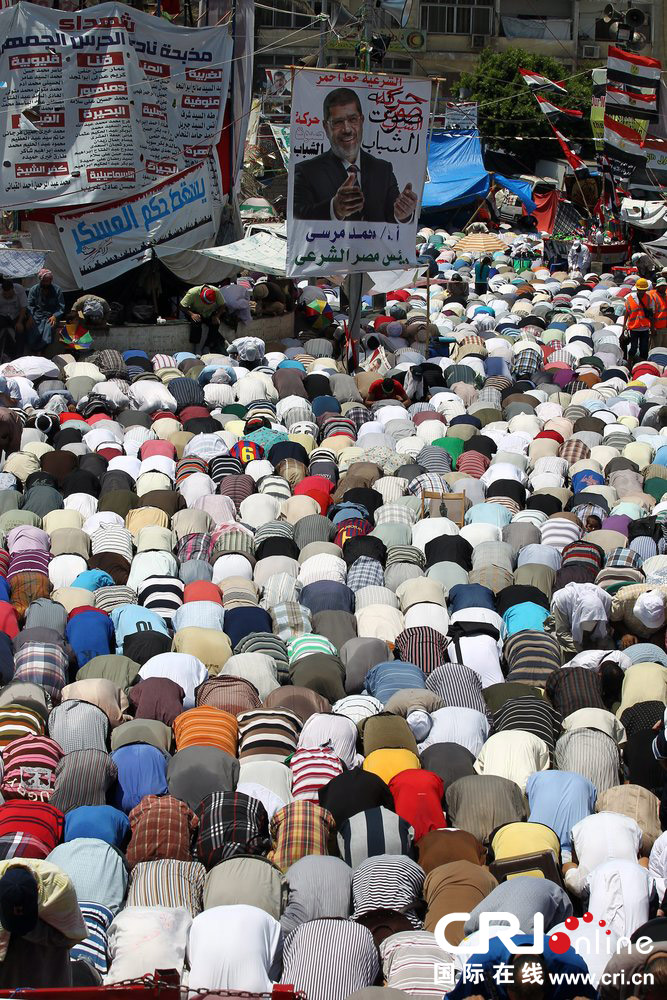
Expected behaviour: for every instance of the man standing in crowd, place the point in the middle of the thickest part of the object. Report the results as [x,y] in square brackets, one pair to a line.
[638,319]
[47,305]
[15,321]
[204,305]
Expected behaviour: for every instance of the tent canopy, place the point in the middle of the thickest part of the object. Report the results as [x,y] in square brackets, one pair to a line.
[457,174]
[263,251]
[644,214]
[456,171]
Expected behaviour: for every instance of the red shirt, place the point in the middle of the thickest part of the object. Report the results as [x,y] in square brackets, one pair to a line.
[418,798]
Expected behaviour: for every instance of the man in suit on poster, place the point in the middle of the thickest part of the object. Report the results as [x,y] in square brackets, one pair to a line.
[345,182]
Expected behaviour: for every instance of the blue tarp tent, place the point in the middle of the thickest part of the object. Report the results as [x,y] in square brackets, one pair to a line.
[456,170]
[457,175]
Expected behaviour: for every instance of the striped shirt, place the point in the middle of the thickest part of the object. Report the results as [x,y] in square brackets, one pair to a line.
[30,767]
[168,883]
[306,644]
[44,664]
[533,715]
[83,778]
[388,882]
[375,831]
[592,754]
[458,686]
[163,595]
[532,657]
[312,769]
[112,539]
[330,959]
[206,726]
[268,734]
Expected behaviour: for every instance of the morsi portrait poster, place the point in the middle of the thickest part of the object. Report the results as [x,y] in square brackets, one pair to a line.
[358,148]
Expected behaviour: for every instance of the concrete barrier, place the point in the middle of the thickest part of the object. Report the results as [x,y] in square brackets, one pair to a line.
[174,335]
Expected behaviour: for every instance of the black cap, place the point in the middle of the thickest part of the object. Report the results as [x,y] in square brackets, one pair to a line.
[18,900]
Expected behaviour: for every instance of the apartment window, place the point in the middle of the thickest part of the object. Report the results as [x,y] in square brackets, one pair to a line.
[474,17]
[286,16]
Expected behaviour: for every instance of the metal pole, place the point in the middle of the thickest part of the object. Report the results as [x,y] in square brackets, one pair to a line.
[355,282]
[324,30]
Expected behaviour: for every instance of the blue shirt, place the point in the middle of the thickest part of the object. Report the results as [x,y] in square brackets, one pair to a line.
[525,616]
[93,579]
[142,770]
[385,679]
[488,513]
[327,595]
[97,823]
[559,799]
[240,622]
[90,634]
[130,618]
[470,595]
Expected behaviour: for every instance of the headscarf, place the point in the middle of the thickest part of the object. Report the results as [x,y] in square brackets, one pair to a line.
[45,275]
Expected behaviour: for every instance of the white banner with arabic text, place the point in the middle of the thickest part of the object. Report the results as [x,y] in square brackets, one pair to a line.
[118,99]
[356,171]
[102,243]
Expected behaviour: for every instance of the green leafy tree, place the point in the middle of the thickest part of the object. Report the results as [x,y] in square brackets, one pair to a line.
[508,108]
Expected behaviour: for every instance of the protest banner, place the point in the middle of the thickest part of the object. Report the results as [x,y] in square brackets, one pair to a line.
[103,242]
[461,115]
[358,146]
[277,83]
[281,135]
[119,99]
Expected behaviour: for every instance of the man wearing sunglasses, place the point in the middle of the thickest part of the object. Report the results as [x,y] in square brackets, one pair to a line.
[345,183]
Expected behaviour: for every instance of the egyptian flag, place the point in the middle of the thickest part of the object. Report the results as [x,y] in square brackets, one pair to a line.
[622,148]
[626,103]
[627,69]
[537,82]
[609,196]
[578,165]
[553,112]
[652,175]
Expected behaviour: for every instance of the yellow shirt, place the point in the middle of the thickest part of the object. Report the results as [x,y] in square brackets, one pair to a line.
[518,839]
[388,763]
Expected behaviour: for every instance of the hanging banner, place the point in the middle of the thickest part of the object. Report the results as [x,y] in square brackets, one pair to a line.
[461,116]
[118,98]
[599,76]
[278,83]
[281,134]
[358,146]
[102,243]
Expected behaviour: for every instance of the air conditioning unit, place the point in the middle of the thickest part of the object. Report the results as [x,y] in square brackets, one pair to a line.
[589,51]
[413,39]
[479,41]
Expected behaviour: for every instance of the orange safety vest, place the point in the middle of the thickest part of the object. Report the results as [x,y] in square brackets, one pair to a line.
[659,310]
[636,316]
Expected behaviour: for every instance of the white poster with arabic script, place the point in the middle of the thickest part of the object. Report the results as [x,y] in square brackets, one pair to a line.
[356,171]
[118,98]
[102,243]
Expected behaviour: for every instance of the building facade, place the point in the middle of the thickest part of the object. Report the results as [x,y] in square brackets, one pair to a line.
[445,37]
